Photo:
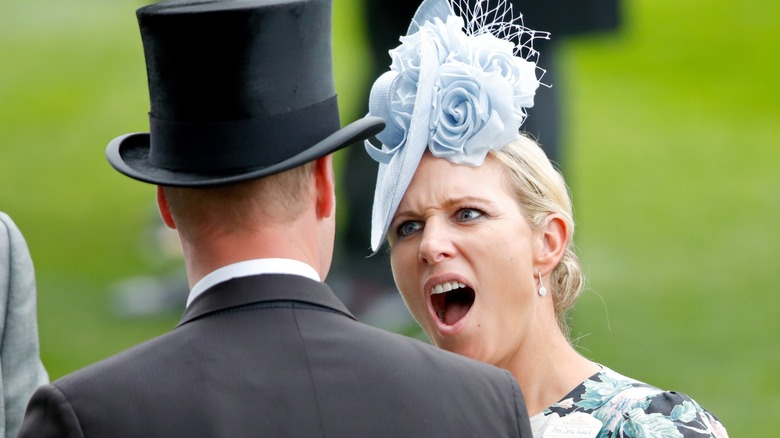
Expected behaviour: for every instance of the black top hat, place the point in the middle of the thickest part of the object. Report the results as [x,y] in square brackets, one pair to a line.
[239,89]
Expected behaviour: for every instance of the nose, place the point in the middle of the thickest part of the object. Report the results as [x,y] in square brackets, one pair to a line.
[436,244]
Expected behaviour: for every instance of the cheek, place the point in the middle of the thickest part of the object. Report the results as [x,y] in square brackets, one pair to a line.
[402,260]
[401,270]
[407,279]
[511,282]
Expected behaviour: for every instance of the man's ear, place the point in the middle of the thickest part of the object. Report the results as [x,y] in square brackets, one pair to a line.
[325,186]
[554,238]
[165,212]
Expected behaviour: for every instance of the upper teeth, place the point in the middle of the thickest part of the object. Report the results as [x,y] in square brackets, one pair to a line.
[446,287]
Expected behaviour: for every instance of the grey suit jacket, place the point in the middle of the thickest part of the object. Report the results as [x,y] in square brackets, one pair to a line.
[279,356]
[21,370]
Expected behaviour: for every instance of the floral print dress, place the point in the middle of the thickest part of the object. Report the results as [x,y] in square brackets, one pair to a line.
[625,408]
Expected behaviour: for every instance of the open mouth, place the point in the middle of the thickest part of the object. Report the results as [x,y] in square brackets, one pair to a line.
[452,301]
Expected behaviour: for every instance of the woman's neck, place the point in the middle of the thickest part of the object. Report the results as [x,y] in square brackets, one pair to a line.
[547,368]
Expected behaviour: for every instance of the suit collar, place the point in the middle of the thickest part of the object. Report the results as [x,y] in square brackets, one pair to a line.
[263,288]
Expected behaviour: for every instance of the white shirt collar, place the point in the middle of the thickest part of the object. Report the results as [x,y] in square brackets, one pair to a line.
[252,267]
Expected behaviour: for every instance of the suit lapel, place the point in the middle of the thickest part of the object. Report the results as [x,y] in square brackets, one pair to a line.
[262,288]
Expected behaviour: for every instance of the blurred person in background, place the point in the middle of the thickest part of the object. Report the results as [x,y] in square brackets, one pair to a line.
[480,227]
[243,122]
[20,363]
[368,278]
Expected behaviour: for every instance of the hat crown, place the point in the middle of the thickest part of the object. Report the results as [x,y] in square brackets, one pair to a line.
[233,60]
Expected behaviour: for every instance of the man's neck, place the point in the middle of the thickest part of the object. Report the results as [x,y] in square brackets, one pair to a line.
[209,254]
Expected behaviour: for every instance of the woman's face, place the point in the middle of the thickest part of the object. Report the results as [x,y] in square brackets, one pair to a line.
[460,228]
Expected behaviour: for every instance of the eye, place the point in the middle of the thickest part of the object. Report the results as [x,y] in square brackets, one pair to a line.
[468,214]
[408,227]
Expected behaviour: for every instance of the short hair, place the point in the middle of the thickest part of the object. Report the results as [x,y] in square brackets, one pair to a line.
[240,206]
[541,190]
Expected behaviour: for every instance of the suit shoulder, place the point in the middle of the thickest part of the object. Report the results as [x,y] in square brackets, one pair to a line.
[50,414]
[124,367]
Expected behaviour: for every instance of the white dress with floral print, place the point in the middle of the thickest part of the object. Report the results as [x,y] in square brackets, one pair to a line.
[629,408]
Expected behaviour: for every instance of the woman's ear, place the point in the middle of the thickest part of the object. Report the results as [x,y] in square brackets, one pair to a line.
[554,238]
[325,186]
[165,212]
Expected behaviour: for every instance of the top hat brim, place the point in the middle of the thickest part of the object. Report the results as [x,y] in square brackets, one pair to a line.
[129,154]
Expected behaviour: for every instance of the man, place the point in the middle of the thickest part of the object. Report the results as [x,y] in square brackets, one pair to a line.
[243,119]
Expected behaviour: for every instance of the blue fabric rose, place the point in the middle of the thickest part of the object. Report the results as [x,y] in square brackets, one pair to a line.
[493,54]
[480,95]
[472,114]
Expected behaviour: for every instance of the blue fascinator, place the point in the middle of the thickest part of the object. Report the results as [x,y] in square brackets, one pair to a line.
[459,85]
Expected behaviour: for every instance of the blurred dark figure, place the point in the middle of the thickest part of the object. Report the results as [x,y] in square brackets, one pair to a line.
[369,277]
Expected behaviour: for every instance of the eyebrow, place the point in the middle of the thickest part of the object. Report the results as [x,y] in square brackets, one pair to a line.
[448,203]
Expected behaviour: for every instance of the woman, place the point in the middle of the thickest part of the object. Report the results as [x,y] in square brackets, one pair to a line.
[480,227]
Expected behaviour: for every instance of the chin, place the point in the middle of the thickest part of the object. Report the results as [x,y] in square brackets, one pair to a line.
[463,345]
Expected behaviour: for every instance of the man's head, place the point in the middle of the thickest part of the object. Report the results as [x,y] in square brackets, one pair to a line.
[286,215]
[242,124]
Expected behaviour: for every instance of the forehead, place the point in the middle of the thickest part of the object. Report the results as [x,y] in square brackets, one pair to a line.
[437,179]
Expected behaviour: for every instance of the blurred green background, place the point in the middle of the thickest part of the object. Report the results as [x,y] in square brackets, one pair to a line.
[671,153]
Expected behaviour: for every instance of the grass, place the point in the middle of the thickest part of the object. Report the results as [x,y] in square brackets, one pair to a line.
[671,155]
[673,166]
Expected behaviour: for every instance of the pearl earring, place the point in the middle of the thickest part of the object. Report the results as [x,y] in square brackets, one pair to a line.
[542,289]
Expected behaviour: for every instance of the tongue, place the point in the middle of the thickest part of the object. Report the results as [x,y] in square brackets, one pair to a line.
[455,311]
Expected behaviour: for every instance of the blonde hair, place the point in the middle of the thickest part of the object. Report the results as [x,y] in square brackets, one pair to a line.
[540,190]
[241,206]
